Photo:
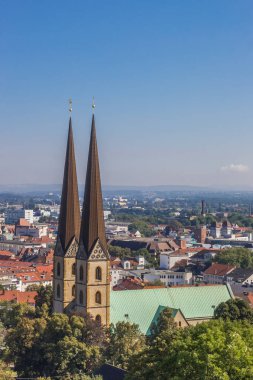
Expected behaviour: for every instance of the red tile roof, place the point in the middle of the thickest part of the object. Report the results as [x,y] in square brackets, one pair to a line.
[219,269]
[17,296]
[129,284]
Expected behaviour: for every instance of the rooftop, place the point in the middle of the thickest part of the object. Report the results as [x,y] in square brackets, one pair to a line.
[140,306]
[219,269]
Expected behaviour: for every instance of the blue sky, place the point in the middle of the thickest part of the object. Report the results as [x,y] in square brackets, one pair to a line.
[172,80]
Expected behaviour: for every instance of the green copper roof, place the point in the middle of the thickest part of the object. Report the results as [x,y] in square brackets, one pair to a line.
[140,306]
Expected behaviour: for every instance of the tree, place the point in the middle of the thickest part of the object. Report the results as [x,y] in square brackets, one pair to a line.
[74,377]
[44,300]
[241,257]
[11,313]
[57,345]
[125,339]
[119,251]
[6,373]
[216,350]
[32,288]
[142,227]
[234,309]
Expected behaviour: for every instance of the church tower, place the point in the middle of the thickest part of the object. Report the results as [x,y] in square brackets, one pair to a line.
[92,275]
[68,235]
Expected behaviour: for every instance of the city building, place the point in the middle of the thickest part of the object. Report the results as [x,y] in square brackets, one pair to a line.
[13,215]
[217,273]
[200,234]
[169,278]
[226,229]
[215,230]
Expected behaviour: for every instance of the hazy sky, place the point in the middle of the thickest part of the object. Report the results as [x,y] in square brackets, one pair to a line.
[172,80]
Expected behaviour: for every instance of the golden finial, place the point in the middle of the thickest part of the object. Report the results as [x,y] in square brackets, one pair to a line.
[70,105]
[93,105]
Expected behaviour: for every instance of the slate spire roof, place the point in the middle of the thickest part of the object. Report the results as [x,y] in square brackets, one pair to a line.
[69,219]
[92,224]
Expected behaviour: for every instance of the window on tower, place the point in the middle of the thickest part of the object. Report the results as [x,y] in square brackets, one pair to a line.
[98,297]
[58,270]
[81,273]
[58,291]
[73,291]
[73,269]
[81,297]
[98,319]
[98,273]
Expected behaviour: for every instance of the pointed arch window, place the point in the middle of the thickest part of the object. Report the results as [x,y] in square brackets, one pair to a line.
[98,297]
[98,273]
[73,269]
[73,291]
[81,297]
[58,291]
[58,269]
[81,273]
[98,319]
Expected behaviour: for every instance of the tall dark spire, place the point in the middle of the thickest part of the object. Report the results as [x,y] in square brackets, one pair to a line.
[92,225]
[69,220]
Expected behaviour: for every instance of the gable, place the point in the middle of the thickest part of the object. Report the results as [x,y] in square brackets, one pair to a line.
[98,253]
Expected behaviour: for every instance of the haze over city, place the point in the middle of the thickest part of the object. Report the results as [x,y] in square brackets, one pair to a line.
[172,83]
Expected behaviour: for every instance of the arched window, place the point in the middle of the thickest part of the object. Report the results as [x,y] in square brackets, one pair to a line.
[98,297]
[58,291]
[73,269]
[98,273]
[58,271]
[73,291]
[98,319]
[81,297]
[81,273]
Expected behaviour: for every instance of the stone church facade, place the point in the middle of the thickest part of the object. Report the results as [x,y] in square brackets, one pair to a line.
[81,280]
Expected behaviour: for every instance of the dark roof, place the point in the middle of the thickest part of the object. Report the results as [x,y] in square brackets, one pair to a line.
[240,275]
[226,223]
[69,219]
[92,225]
[109,372]
[134,245]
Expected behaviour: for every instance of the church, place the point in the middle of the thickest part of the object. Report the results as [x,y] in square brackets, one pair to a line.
[81,277]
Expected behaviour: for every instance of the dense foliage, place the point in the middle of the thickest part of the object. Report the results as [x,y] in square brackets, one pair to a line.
[45,345]
[217,350]
[125,339]
[144,228]
[240,257]
[234,310]
[54,346]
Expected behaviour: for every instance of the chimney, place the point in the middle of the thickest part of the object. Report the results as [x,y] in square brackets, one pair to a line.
[182,244]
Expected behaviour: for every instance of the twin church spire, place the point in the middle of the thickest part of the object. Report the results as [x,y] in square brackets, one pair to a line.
[81,278]
[69,219]
[92,226]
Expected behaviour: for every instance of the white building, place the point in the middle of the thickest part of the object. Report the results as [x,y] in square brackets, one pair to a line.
[169,278]
[117,274]
[169,259]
